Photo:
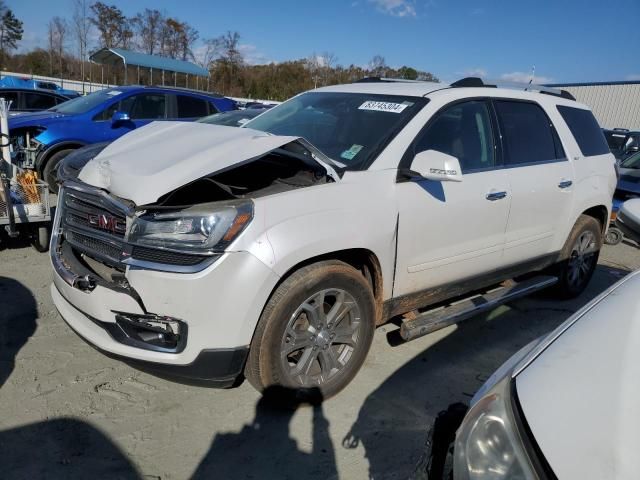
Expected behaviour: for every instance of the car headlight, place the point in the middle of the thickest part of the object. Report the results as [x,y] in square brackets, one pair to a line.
[488,445]
[199,229]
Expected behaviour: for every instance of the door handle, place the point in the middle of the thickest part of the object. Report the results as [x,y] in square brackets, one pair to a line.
[565,184]
[493,196]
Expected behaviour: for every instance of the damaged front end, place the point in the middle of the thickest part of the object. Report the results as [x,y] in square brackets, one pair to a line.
[98,235]
[25,146]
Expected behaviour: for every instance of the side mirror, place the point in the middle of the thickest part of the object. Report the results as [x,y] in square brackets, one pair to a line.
[437,166]
[119,117]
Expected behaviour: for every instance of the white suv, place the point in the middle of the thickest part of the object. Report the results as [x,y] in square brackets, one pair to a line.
[273,251]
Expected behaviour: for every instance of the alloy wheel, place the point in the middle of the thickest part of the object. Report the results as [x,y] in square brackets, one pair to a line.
[321,337]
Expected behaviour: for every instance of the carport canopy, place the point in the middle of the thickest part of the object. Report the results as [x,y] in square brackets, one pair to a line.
[114,56]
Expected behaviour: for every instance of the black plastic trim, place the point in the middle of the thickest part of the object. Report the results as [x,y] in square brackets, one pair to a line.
[540,464]
[451,291]
[217,368]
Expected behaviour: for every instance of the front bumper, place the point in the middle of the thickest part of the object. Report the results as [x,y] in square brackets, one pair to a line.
[218,307]
[215,368]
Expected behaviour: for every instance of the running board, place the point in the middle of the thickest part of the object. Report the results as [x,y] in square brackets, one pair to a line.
[432,320]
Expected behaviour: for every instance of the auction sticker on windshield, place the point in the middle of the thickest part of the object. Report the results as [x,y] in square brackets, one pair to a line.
[383,106]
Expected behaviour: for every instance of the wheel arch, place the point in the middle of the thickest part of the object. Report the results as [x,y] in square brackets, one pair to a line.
[601,214]
[53,149]
[362,259]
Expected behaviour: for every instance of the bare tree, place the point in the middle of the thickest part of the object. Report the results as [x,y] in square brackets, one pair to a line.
[378,66]
[313,65]
[211,50]
[57,36]
[81,29]
[148,26]
[230,46]
[328,60]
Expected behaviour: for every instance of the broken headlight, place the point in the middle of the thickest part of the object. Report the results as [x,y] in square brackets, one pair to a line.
[198,229]
[488,444]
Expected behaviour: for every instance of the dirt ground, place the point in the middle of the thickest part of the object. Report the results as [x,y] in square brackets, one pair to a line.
[67,411]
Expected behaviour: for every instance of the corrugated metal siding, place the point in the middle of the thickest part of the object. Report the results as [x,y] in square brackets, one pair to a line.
[613,105]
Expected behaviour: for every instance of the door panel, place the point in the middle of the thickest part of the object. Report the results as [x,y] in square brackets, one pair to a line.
[541,180]
[449,231]
[540,208]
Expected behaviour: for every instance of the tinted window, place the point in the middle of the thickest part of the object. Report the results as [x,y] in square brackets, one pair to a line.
[10,97]
[585,130]
[148,106]
[191,107]
[464,131]
[38,101]
[615,139]
[527,133]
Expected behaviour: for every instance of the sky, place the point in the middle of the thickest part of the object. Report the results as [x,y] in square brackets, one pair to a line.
[565,40]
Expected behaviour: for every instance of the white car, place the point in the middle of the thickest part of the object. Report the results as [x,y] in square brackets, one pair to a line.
[565,406]
[273,251]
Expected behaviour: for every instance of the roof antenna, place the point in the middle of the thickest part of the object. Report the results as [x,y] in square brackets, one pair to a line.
[533,74]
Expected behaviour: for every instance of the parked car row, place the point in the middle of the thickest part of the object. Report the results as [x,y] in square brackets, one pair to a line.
[103,116]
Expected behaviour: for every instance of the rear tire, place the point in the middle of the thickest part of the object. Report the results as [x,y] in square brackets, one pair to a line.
[314,333]
[50,168]
[580,258]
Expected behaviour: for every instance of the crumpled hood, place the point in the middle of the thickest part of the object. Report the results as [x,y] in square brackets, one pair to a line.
[162,156]
[580,395]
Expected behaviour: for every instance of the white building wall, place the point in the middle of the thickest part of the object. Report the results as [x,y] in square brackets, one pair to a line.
[614,105]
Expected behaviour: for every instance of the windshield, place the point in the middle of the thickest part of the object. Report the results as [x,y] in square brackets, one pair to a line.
[631,162]
[351,128]
[86,103]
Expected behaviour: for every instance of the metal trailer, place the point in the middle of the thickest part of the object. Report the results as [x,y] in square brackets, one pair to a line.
[25,206]
[26,211]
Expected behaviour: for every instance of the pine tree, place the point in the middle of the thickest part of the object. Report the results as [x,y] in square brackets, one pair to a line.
[10,30]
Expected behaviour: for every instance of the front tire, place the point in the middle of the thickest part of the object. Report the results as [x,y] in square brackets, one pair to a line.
[315,331]
[50,168]
[580,258]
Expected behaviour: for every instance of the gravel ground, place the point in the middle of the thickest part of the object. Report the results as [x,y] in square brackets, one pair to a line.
[67,411]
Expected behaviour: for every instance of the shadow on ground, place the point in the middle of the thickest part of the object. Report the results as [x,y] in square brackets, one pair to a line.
[18,313]
[60,449]
[393,421]
[56,449]
[264,448]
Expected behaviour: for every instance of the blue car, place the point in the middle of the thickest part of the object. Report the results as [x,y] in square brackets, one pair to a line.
[45,138]
[10,81]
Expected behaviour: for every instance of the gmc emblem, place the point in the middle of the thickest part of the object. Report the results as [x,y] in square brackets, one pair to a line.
[107,222]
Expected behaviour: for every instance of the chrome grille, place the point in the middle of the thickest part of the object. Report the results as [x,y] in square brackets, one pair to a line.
[86,219]
[94,226]
[94,247]
[89,212]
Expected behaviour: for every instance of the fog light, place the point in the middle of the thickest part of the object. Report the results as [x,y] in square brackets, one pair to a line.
[153,332]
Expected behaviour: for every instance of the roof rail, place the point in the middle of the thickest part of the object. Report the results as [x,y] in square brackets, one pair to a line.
[478,82]
[386,80]
[185,89]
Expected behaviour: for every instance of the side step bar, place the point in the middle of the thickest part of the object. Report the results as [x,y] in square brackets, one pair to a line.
[432,320]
